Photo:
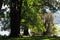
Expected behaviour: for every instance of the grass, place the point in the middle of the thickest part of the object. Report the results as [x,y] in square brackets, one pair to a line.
[31,38]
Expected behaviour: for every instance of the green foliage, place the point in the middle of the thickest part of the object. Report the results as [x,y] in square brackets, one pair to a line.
[54,29]
[22,20]
[31,13]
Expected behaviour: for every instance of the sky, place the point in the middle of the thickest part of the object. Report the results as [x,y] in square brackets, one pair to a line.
[57,17]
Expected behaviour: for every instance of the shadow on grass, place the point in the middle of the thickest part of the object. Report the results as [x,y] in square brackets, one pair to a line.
[31,38]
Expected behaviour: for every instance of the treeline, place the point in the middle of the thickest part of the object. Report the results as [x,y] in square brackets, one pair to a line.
[30,14]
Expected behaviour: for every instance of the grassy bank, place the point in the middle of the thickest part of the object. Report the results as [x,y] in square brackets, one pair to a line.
[31,38]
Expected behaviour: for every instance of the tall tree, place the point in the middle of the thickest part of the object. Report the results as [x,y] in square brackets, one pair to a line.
[15,11]
[1,2]
[48,24]
[31,15]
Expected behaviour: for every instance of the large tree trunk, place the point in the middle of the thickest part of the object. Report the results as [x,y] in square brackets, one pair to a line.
[15,17]
[48,24]
[1,1]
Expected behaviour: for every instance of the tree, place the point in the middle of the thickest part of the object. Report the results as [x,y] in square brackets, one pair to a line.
[31,16]
[48,24]
[15,12]
[1,1]
[48,18]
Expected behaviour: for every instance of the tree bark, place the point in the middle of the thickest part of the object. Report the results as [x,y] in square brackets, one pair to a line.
[48,24]
[1,1]
[15,17]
